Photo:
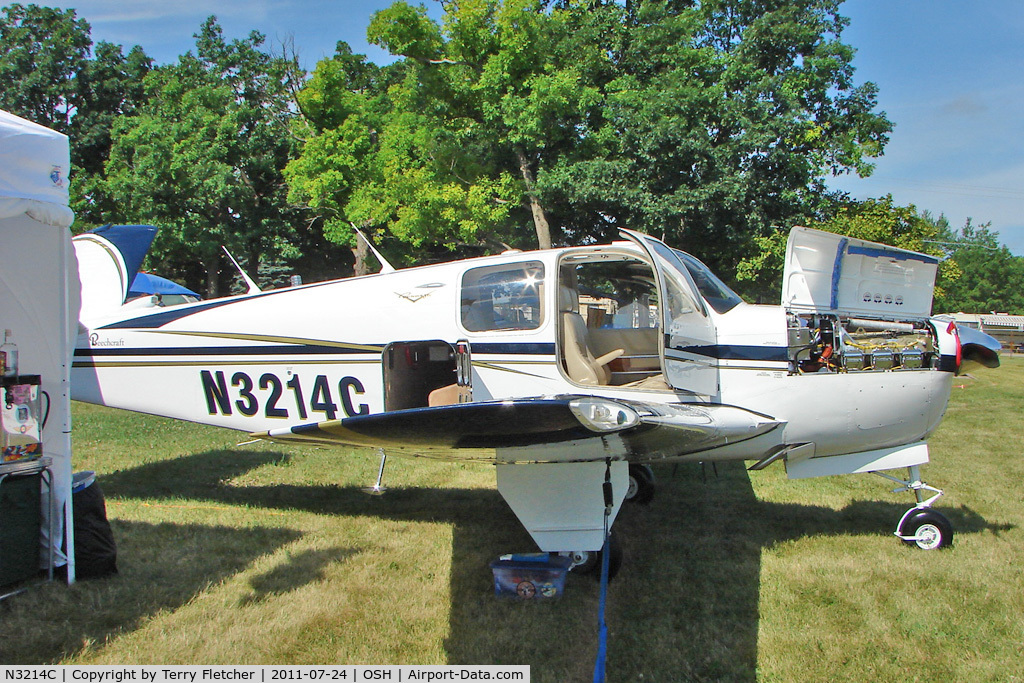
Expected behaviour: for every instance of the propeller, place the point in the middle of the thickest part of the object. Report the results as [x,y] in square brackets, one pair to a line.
[974,348]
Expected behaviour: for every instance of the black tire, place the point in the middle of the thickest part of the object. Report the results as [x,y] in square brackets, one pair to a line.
[930,530]
[584,561]
[641,485]
[589,562]
[614,559]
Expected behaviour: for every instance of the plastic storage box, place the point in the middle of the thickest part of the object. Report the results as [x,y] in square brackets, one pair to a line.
[533,576]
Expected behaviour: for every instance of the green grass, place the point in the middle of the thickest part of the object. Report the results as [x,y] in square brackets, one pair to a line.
[264,554]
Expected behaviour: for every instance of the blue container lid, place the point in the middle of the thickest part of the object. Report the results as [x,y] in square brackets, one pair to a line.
[532,561]
[82,480]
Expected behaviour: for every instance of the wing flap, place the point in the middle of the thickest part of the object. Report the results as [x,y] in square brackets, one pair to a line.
[678,429]
[538,430]
[483,425]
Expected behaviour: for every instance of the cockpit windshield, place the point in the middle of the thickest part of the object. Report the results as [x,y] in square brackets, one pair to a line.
[714,291]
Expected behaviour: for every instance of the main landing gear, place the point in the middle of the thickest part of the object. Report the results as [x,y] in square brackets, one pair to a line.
[589,561]
[921,525]
[641,484]
[640,489]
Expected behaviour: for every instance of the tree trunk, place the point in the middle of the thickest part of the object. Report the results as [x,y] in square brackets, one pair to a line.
[212,266]
[540,220]
[362,253]
[252,268]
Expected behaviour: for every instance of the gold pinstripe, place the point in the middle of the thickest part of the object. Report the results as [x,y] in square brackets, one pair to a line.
[300,341]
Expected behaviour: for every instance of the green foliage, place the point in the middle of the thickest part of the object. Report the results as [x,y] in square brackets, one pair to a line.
[108,86]
[52,76]
[718,121]
[976,274]
[991,278]
[759,277]
[879,220]
[203,157]
[43,50]
[705,123]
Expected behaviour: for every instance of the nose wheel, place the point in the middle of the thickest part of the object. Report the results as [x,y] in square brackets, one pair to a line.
[927,529]
[921,526]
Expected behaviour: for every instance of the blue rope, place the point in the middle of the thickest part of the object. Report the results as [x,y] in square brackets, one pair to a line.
[602,627]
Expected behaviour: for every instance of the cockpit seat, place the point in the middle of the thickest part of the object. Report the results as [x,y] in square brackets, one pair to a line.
[580,363]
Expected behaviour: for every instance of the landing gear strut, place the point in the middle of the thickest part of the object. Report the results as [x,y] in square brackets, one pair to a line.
[921,525]
[378,489]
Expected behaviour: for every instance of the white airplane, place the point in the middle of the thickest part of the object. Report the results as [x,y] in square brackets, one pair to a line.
[569,370]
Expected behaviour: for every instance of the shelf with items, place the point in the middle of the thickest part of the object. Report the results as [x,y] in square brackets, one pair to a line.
[25,487]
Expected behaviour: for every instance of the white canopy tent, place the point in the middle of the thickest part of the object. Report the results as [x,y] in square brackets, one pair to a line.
[39,291]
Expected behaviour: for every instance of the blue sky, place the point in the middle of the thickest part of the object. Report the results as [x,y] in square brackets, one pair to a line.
[949,73]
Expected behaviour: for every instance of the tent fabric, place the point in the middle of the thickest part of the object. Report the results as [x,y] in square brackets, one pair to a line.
[34,161]
[40,291]
[48,214]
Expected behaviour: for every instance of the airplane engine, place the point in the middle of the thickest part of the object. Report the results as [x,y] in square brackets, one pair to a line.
[831,343]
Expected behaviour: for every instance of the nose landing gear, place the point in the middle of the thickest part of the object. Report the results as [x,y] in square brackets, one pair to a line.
[927,529]
[921,525]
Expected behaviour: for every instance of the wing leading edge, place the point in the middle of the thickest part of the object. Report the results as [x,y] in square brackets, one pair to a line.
[556,429]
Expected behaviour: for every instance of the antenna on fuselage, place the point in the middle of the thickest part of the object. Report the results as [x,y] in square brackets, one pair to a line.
[385,267]
[252,286]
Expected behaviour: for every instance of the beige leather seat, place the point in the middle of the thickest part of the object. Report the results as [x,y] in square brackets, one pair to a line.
[580,364]
[448,395]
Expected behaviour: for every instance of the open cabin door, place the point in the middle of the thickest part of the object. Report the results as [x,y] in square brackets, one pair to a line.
[828,273]
[688,338]
[421,374]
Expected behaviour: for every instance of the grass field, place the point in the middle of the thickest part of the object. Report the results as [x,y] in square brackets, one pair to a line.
[264,554]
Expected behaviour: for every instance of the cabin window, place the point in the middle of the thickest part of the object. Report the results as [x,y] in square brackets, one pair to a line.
[505,297]
[617,294]
[714,291]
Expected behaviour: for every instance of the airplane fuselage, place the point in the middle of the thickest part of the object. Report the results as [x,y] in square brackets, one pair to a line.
[322,352]
[567,369]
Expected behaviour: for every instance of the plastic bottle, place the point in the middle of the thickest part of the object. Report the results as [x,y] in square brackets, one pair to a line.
[9,352]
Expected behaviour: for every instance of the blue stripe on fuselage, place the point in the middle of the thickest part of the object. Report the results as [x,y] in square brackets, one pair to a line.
[716,351]
[735,352]
[520,349]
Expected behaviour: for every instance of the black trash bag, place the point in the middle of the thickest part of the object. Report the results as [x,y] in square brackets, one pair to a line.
[95,549]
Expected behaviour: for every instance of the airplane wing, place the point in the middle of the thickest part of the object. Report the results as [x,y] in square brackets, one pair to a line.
[550,429]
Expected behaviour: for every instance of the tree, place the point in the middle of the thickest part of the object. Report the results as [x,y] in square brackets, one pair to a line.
[341,106]
[108,86]
[203,156]
[991,278]
[705,123]
[450,153]
[719,123]
[53,78]
[42,50]
[875,220]
[481,102]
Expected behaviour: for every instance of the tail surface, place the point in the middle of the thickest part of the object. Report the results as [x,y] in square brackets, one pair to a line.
[109,258]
